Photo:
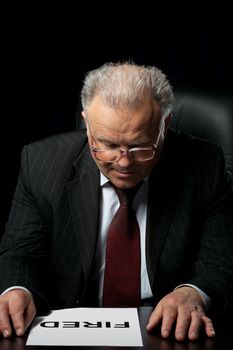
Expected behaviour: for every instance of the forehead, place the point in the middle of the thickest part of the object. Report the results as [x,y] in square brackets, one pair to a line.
[124,123]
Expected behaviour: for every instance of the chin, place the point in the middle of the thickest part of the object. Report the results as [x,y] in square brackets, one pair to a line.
[123,183]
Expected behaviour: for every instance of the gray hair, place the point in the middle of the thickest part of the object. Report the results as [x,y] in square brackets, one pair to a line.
[126,85]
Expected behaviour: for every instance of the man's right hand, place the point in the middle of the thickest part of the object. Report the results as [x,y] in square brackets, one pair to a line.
[17,310]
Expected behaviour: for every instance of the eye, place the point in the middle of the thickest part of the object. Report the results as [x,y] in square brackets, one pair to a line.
[141,145]
[111,145]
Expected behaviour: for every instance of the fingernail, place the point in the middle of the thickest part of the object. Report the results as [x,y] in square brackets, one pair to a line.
[180,336]
[193,335]
[19,331]
[213,333]
[5,333]
[165,334]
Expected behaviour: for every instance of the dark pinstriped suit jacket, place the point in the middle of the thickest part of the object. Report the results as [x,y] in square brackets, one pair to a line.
[52,230]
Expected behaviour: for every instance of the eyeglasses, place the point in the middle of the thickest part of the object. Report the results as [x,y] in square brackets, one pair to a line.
[139,154]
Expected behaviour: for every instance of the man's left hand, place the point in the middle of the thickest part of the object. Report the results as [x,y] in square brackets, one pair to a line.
[184,310]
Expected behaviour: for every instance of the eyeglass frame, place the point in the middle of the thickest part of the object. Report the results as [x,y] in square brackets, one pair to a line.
[126,152]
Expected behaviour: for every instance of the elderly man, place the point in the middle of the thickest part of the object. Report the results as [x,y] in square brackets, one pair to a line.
[127,213]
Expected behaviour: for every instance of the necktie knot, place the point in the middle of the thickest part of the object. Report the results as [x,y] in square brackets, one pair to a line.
[126,196]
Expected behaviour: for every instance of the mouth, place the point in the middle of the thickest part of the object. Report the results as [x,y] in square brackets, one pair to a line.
[124,173]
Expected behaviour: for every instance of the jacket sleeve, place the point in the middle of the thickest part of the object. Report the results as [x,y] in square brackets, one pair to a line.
[23,249]
[214,263]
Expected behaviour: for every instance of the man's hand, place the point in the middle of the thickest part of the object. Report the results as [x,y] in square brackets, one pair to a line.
[17,310]
[184,310]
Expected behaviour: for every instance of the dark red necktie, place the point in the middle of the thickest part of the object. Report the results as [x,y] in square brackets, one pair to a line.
[123,255]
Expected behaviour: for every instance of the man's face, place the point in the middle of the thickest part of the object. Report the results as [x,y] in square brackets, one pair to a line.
[125,129]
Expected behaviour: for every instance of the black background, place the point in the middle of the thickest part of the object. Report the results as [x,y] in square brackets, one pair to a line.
[45,53]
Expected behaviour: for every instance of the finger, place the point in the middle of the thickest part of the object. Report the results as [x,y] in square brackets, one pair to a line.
[209,328]
[155,318]
[5,326]
[17,306]
[169,318]
[195,325]
[182,323]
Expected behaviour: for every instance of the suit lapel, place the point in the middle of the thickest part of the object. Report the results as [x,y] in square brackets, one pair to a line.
[160,210]
[83,194]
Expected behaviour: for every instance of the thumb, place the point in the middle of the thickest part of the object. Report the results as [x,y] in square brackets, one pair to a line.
[29,314]
[155,318]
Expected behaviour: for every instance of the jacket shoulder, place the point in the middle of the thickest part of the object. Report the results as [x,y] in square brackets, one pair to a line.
[189,146]
[185,153]
[55,152]
[70,140]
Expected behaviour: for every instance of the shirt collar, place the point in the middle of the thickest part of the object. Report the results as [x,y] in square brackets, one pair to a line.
[104,180]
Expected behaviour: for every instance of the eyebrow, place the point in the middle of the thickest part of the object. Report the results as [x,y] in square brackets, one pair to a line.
[142,140]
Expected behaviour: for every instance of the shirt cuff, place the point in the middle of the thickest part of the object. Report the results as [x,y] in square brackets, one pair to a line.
[204,296]
[16,287]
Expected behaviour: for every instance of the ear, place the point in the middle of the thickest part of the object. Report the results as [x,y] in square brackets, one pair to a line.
[84,116]
[85,119]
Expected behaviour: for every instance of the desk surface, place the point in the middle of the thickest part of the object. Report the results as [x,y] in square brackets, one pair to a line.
[223,340]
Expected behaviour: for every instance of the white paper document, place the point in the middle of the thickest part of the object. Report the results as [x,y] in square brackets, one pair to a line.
[87,327]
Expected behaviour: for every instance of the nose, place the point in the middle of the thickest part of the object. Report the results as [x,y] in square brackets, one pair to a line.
[124,159]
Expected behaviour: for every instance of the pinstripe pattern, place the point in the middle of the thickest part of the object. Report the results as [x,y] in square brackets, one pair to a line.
[51,234]
[191,221]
